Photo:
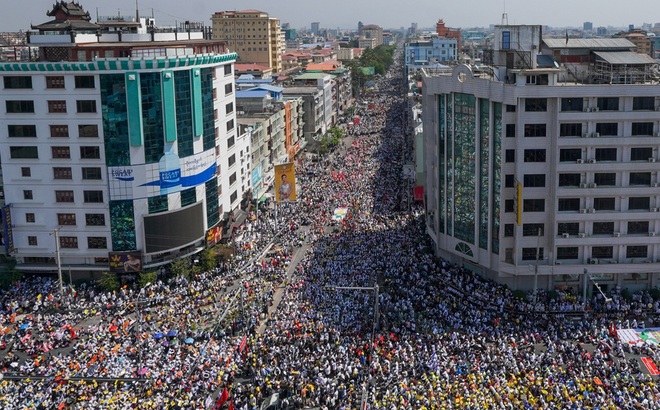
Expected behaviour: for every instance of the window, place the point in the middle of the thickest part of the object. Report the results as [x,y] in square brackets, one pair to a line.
[232,160]
[233,197]
[608,103]
[63,196]
[603,228]
[643,103]
[95,219]
[568,204]
[604,204]
[90,153]
[529,254]
[534,180]
[16,131]
[86,106]
[572,104]
[70,242]
[30,218]
[97,242]
[567,252]
[32,240]
[229,88]
[229,108]
[23,153]
[607,128]
[230,142]
[62,173]
[18,82]
[605,154]
[640,178]
[536,104]
[639,203]
[26,172]
[510,155]
[509,230]
[533,229]
[60,152]
[506,40]
[57,106]
[88,131]
[534,155]
[66,219]
[227,68]
[230,125]
[533,205]
[84,81]
[55,81]
[19,107]
[605,178]
[638,227]
[27,194]
[508,205]
[570,130]
[59,131]
[511,130]
[157,204]
[640,251]
[641,154]
[602,252]
[232,178]
[642,128]
[509,181]
[534,130]
[93,196]
[91,173]
[569,180]
[510,108]
[570,154]
[571,228]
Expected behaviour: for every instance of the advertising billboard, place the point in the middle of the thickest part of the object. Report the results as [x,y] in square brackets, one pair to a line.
[285,182]
[7,234]
[125,262]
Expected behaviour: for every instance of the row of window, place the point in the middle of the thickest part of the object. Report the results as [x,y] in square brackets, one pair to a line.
[63,152]
[573,204]
[89,197]
[579,104]
[56,131]
[574,154]
[56,81]
[604,129]
[605,179]
[54,106]
[70,219]
[571,252]
[573,228]
[71,242]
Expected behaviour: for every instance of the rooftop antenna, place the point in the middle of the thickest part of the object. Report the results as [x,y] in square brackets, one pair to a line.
[137,12]
[505,17]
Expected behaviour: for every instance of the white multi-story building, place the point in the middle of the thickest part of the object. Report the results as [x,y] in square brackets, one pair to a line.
[541,169]
[117,163]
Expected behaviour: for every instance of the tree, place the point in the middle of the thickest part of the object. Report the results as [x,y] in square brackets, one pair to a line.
[145,278]
[8,273]
[181,267]
[108,281]
[207,260]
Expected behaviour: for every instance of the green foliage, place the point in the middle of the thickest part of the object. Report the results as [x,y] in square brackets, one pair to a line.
[553,295]
[381,58]
[520,294]
[108,281]
[626,294]
[655,293]
[145,278]
[207,260]
[181,267]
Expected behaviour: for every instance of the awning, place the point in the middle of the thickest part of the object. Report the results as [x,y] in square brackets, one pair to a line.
[239,217]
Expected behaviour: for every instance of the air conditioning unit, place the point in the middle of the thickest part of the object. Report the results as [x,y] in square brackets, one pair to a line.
[648,261]
[657,134]
[657,108]
[595,109]
[651,159]
[593,185]
[580,161]
[586,109]
[651,233]
[583,211]
[592,211]
[585,135]
[617,234]
[653,210]
[566,235]
[592,161]
[582,235]
[583,185]
[654,185]
[614,262]
[596,134]
[593,261]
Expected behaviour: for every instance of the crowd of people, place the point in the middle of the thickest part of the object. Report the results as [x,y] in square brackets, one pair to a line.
[365,314]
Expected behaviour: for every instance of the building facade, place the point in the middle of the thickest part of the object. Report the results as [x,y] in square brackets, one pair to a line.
[537,179]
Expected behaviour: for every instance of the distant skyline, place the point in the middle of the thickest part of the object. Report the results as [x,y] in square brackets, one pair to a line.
[345,14]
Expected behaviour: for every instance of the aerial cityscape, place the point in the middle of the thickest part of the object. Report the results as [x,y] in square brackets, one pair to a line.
[245,208]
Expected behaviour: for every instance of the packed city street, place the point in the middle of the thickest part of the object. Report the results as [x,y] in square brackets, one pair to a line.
[327,313]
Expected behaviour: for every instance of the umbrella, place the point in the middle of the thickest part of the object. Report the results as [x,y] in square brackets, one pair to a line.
[158,336]
[23,326]
[172,333]
[14,364]
[189,340]
[166,343]
[142,371]
[174,341]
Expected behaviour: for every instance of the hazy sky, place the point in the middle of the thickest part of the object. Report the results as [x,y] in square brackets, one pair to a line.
[346,13]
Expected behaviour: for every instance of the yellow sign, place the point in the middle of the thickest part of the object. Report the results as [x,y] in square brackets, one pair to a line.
[519,199]
[285,182]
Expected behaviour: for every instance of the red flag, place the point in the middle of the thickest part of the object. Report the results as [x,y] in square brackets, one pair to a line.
[231,405]
[222,398]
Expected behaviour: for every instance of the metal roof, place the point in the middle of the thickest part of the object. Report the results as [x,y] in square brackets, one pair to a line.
[590,43]
[625,57]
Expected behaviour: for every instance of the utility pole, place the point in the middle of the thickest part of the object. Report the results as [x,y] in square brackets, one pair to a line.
[59,262]
[536,267]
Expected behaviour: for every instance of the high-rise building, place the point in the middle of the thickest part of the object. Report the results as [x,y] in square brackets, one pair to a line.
[375,32]
[118,149]
[316,27]
[443,31]
[587,26]
[253,34]
[541,176]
